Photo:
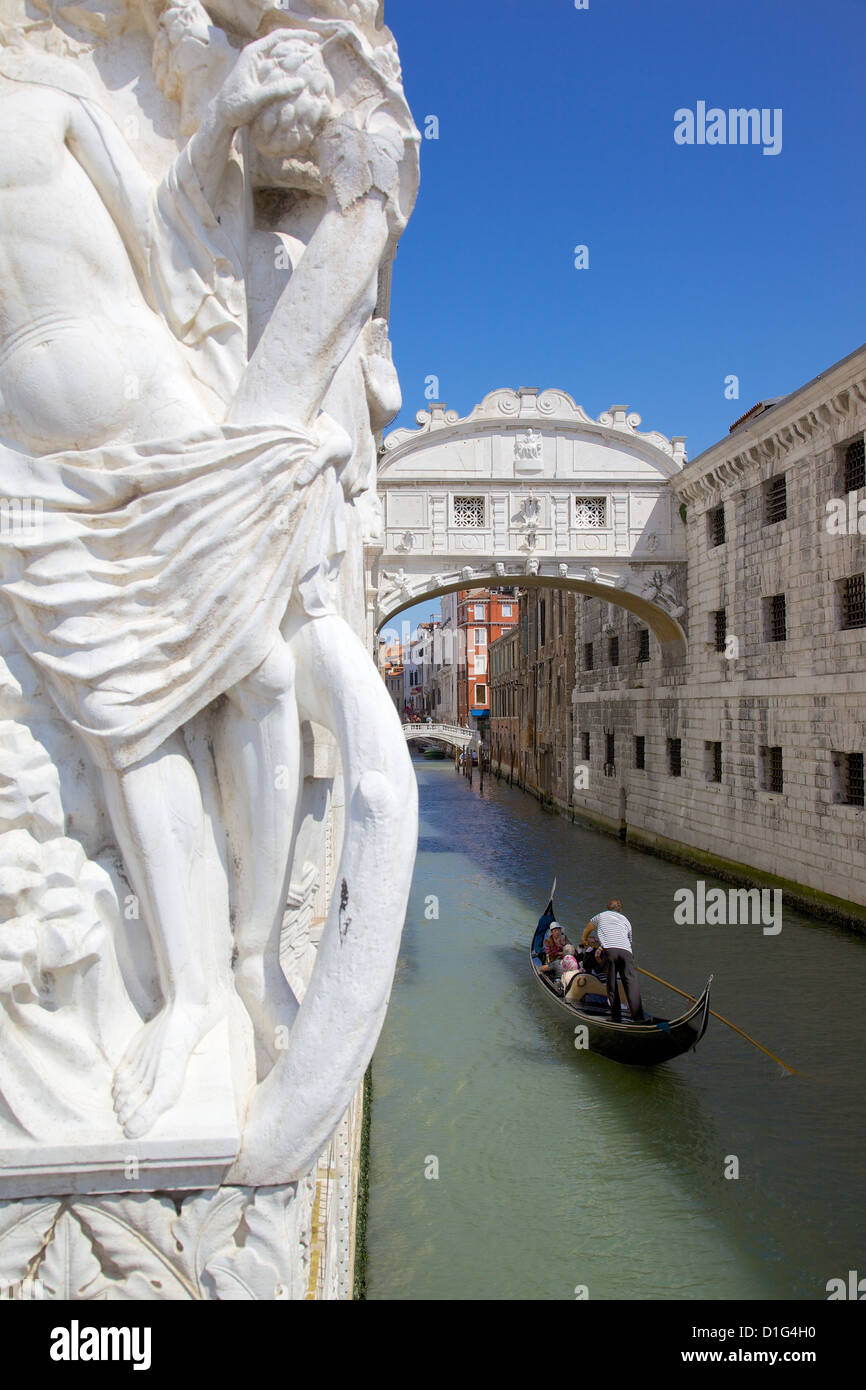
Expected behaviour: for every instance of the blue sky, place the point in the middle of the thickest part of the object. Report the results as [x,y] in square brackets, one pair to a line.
[704,261]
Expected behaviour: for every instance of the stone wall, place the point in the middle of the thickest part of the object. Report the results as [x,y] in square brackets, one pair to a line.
[803,694]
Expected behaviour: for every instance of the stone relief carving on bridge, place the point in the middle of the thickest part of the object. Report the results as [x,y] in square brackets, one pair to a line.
[528,447]
[660,588]
[195,419]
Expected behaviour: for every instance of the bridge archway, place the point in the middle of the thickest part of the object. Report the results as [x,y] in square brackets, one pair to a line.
[527,491]
[663,621]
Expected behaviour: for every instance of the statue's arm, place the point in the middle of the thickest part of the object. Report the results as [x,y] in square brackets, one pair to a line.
[319,315]
[124,187]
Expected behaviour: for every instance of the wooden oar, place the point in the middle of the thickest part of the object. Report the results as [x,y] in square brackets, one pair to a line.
[753,1041]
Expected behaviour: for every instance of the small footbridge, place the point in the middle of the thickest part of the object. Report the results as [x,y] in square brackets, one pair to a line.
[440,733]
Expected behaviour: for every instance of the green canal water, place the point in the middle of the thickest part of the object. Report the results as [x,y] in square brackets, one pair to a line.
[559,1170]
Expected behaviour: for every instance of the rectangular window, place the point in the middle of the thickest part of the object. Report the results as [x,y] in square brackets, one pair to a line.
[478,612]
[848,778]
[587,656]
[775,619]
[776,500]
[720,628]
[506,610]
[609,753]
[613,651]
[590,513]
[481,694]
[772,778]
[675,757]
[481,637]
[643,644]
[469,513]
[640,752]
[716,526]
[852,602]
[855,466]
[713,761]
[585,742]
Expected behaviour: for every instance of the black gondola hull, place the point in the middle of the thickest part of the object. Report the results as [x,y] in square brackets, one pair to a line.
[634,1044]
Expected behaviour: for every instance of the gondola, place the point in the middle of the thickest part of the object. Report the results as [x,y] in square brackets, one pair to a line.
[642,1044]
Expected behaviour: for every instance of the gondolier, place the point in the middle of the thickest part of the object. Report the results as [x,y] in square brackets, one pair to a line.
[613,931]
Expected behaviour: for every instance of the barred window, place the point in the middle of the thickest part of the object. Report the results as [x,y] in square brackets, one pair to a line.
[609,753]
[775,619]
[613,651]
[587,656]
[643,644]
[675,757]
[854,779]
[469,513]
[716,526]
[776,500]
[855,466]
[848,779]
[640,752]
[590,513]
[852,595]
[713,761]
[772,779]
[720,629]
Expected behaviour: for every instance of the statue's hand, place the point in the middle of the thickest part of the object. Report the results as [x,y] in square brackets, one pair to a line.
[281,79]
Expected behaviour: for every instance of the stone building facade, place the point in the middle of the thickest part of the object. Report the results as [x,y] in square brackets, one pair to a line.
[532,675]
[744,751]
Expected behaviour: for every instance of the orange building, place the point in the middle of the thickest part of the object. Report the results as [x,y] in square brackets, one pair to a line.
[482,616]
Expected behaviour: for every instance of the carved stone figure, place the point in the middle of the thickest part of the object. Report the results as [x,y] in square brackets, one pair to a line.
[194,431]
[528,446]
[659,589]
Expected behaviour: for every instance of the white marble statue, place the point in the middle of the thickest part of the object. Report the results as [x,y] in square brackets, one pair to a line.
[177,613]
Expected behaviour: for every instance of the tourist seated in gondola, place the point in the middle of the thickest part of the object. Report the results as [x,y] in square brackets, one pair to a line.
[570,965]
[552,950]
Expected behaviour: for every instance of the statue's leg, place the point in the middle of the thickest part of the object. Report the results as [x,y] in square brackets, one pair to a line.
[298,1105]
[258,765]
[158,819]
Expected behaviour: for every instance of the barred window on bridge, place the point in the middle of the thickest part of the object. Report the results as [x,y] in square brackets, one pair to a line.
[590,513]
[469,513]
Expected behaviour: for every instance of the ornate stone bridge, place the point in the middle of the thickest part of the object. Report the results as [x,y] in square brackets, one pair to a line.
[528,489]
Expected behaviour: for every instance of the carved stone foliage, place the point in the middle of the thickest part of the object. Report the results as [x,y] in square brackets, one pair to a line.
[233,1244]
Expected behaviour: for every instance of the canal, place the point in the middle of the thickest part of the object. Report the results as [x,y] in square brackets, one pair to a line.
[505,1164]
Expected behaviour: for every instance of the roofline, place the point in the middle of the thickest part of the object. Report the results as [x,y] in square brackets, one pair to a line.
[775,416]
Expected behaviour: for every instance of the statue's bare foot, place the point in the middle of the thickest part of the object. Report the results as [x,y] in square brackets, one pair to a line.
[150,1078]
